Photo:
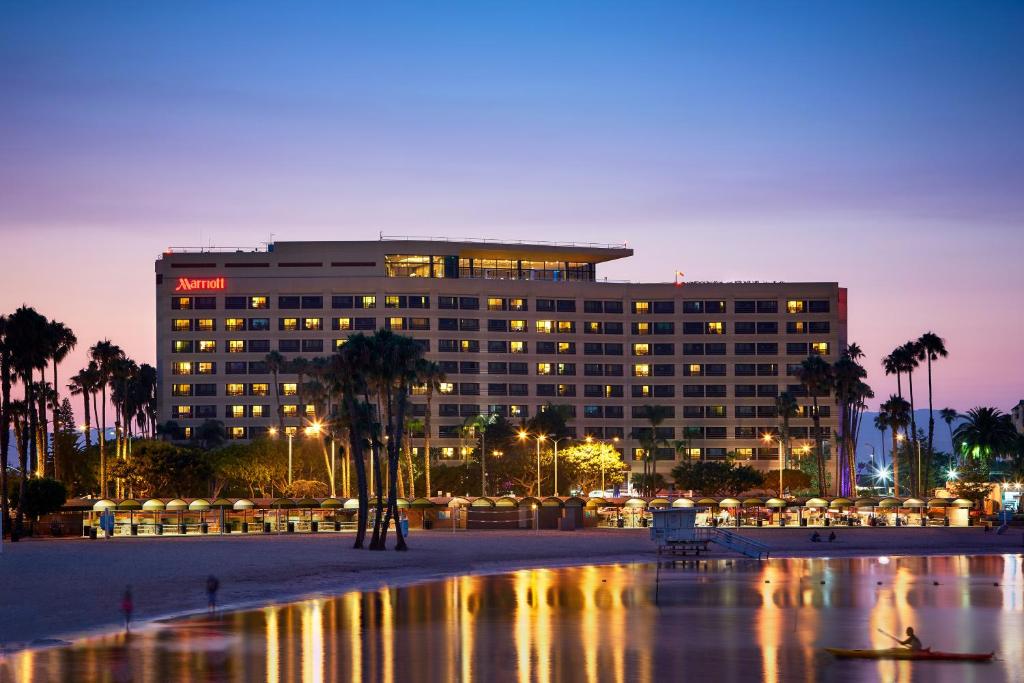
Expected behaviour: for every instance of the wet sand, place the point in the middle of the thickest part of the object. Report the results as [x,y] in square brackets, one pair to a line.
[64,588]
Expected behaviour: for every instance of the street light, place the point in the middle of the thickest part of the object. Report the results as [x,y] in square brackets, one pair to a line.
[555,441]
[523,436]
[591,439]
[767,437]
[273,432]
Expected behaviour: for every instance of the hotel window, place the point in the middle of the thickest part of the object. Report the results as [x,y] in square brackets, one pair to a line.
[312,324]
[693,370]
[716,411]
[312,345]
[496,304]
[796,327]
[469,346]
[641,370]
[641,349]
[258,411]
[641,328]
[565,305]
[181,303]
[612,391]
[206,325]
[544,326]
[183,411]
[182,346]
[205,303]
[234,302]
[716,328]
[820,348]
[566,326]
[259,302]
[818,327]
[288,324]
[519,325]
[743,307]
[517,347]
[342,324]
[396,323]
[565,369]
[744,453]
[204,389]
[181,390]
[821,306]
[446,388]
[206,368]
[517,304]
[310,410]
[290,410]
[714,307]
[236,412]
[338,343]
[419,323]
[566,347]
[744,327]
[394,301]
[592,327]
[288,302]
[543,368]
[693,307]
[566,390]
[288,345]
[469,324]
[289,389]
[544,305]
[182,325]
[642,391]
[234,324]
[642,307]
[795,306]
[234,389]
[365,323]
[207,346]
[366,301]
[259,389]
[236,346]
[447,453]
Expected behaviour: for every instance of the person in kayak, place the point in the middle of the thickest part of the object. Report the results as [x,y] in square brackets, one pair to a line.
[912,641]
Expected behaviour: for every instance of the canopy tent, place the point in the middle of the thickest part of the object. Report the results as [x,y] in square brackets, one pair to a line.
[775,503]
[104,504]
[199,504]
[482,503]
[753,503]
[939,502]
[816,503]
[865,502]
[331,503]
[506,502]
[889,503]
[552,502]
[729,503]
[658,503]
[837,503]
[422,503]
[129,504]
[708,502]
[154,505]
[282,504]
[574,502]
[635,503]
[221,504]
[176,505]
[913,503]
[962,503]
[243,504]
[682,503]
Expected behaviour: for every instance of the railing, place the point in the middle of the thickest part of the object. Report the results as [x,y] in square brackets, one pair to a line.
[487,240]
[214,250]
[732,541]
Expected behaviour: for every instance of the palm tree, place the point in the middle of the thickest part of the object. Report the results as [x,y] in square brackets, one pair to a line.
[894,414]
[909,355]
[412,425]
[851,394]
[83,384]
[815,374]
[276,363]
[986,433]
[105,353]
[6,371]
[655,415]
[930,348]
[786,409]
[431,376]
[480,423]
[949,416]
[64,341]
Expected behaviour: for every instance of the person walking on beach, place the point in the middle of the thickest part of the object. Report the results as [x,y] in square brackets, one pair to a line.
[127,607]
[212,584]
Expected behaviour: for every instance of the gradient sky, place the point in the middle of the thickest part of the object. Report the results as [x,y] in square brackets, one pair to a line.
[880,145]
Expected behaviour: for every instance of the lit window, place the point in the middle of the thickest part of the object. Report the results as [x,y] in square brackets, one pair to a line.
[368,301]
[207,346]
[257,411]
[566,326]
[716,411]
[566,389]
[447,452]
[642,307]
[182,345]
[696,369]
[343,323]
[310,410]
[236,411]
[495,304]
[259,389]
[183,411]
[258,302]
[446,388]
[234,324]
[289,324]
[391,301]
[205,325]
[794,306]
[692,452]
[517,304]
[187,432]
[517,347]
[182,325]
[397,323]
[312,324]
[291,431]
[641,370]
[517,325]
[467,345]
[204,368]
[290,410]
[593,327]
[641,349]
[644,390]
[236,346]
[744,453]
[289,389]
[237,432]
[543,368]
[716,328]
[516,411]
[643,328]
[544,326]
[184,303]
[564,347]
[338,343]
[820,348]
[235,390]
[181,390]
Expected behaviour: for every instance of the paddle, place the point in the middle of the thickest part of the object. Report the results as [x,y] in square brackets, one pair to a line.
[891,636]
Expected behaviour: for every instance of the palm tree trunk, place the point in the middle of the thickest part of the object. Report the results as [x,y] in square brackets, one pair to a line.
[5,436]
[426,443]
[895,463]
[816,422]
[57,469]
[277,405]
[915,477]
[41,432]
[103,441]
[931,424]
[408,467]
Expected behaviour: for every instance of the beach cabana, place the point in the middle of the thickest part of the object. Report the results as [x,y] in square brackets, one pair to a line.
[222,506]
[506,502]
[482,502]
[734,505]
[279,504]
[573,511]
[755,504]
[658,503]
[200,505]
[682,503]
[131,506]
[779,506]
[244,505]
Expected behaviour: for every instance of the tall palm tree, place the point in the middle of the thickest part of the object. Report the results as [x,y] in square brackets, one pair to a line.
[64,341]
[655,415]
[431,376]
[351,384]
[83,384]
[882,425]
[909,354]
[851,394]
[815,374]
[412,425]
[930,347]
[105,353]
[479,424]
[986,433]
[786,409]
[949,416]
[894,414]
[276,363]
[6,370]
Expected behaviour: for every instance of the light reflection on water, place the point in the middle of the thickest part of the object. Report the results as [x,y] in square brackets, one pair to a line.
[727,620]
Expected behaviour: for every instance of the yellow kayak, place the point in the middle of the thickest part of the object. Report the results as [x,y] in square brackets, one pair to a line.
[906,653]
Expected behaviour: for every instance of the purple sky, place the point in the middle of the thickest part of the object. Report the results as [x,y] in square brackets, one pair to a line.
[877,145]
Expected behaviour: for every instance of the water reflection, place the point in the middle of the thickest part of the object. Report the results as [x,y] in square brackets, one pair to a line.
[730,620]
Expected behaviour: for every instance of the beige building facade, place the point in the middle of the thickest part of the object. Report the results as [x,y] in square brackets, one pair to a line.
[514,326]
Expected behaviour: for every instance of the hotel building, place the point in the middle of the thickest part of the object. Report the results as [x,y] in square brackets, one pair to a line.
[514,327]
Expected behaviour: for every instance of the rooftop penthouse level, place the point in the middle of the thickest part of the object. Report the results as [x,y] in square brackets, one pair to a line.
[513,326]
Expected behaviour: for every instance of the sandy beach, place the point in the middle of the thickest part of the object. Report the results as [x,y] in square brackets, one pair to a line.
[66,588]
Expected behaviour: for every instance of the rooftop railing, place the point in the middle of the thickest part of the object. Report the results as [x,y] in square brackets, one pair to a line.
[487,240]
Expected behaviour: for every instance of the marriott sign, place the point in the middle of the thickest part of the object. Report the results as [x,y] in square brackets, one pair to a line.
[203,284]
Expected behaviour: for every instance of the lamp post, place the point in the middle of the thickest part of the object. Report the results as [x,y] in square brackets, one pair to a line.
[591,439]
[872,447]
[767,437]
[273,432]
[523,436]
[555,441]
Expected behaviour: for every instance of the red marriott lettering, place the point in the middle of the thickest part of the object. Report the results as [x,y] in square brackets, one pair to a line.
[201,284]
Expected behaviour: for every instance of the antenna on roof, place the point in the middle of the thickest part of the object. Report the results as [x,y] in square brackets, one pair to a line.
[380,236]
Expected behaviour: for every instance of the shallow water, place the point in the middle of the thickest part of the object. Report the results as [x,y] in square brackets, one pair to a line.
[714,621]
